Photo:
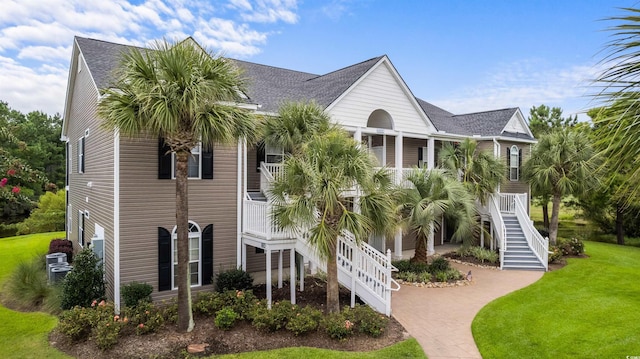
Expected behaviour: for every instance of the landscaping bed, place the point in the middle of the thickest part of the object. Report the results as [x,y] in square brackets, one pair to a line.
[242,337]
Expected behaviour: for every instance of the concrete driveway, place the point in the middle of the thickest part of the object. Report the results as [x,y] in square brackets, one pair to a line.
[440,318]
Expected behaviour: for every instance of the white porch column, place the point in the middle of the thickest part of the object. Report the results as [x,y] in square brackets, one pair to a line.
[399,159]
[481,231]
[302,273]
[358,135]
[397,245]
[384,150]
[268,279]
[430,249]
[244,257]
[280,262]
[292,275]
[431,160]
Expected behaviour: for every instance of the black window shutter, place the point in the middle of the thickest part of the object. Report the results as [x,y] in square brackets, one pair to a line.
[420,154]
[207,255]
[83,154]
[508,163]
[164,160]
[164,259]
[207,163]
[519,163]
[82,233]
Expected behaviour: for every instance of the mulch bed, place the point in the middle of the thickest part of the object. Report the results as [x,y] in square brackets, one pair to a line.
[243,337]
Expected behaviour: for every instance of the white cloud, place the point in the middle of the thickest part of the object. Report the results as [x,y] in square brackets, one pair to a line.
[524,84]
[36,37]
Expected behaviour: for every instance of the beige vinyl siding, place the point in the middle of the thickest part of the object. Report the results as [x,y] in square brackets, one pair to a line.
[410,155]
[257,262]
[391,151]
[92,190]
[379,90]
[147,203]
[519,186]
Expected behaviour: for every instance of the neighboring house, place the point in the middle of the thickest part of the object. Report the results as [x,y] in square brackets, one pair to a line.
[120,191]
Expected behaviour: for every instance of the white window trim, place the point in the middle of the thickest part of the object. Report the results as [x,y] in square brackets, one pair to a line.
[273,151]
[69,218]
[81,157]
[425,157]
[514,151]
[80,228]
[199,153]
[70,161]
[174,236]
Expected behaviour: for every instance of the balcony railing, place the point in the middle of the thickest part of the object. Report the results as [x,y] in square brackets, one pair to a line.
[257,221]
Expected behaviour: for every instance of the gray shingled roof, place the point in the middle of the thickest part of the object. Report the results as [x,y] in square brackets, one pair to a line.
[270,86]
[487,123]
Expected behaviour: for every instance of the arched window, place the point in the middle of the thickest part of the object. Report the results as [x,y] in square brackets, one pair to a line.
[514,158]
[195,268]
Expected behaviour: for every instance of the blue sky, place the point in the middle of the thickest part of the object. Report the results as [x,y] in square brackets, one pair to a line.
[464,56]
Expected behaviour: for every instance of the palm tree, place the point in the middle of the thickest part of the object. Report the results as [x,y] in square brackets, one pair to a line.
[619,120]
[479,171]
[315,195]
[295,124]
[563,163]
[434,195]
[180,93]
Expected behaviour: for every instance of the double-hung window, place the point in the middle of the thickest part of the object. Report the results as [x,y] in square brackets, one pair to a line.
[514,163]
[194,169]
[81,228]
[81,143]
[194,256]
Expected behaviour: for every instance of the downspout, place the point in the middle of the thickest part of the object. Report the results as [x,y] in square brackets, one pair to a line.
[240,181]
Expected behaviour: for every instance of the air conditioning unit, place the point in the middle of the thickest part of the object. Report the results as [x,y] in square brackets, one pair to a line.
[56,258]
[59,272]
[51,267]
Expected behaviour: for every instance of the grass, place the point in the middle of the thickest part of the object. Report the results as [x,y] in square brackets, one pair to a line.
[406,349]
[25,335]
[586,310]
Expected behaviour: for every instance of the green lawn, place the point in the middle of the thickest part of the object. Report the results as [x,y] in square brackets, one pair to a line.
[24,335]
[589,309]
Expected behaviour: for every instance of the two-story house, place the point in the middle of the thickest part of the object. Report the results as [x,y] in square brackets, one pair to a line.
[121,190]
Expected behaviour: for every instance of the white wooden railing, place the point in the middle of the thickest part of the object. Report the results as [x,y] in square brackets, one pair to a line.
[362,269]
[268,173]
[538,244]
[500,230]
[256,220]
[399,175]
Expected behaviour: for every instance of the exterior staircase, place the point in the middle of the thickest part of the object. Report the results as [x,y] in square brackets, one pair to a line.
[518,254]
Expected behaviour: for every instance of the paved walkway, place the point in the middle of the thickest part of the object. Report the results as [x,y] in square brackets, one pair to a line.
[440,318]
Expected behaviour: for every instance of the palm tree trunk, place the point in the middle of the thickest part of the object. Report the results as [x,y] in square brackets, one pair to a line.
[545,215]
[420,255]
[553,224]
[333,287]
[620,224]
[185,317]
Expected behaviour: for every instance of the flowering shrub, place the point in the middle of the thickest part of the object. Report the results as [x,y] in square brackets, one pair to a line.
[107,331]
[276,318]
[304,321]
[207,303]
[571,247]
[367,320]
[337,326]
[225,318]
[145,316]
[78,322]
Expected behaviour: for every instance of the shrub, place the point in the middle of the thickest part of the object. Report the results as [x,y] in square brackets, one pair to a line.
[62,246]
[233,279]
[571,247]
[543,232]
[145,316]
[304,321]
[84,283]
[406,265]
[424,277]
[439,264]
[27,286]
[134,293]
[48,216]
[225,318]
[447,275]
[274,319]
[555,254]
[337,326]
[368,321]
[207,303]
[75,323]
[411,276]
[107,331]
[169,311]
[485,255]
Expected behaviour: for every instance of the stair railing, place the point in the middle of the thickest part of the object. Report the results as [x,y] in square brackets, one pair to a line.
[494,204]
[538,244]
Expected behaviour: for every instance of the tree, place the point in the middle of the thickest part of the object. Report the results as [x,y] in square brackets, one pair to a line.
[48,216]
[479,171]
[295,124]
[434,195]
[560,164]
[315,195]
[180,93]
[619,119]
[543,119]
